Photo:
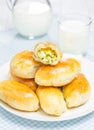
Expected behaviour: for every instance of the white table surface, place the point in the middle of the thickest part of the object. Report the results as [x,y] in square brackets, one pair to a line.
[11,43]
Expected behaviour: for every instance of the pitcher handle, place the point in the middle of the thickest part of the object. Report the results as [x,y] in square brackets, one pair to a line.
[11,4]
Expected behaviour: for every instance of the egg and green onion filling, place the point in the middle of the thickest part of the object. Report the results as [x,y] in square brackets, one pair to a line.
[47,55]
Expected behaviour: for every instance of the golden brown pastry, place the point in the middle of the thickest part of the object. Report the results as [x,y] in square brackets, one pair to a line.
[30,82]
[23,65]
[18,96]
[51,100]
[58,75]
[77,92]
[47,53]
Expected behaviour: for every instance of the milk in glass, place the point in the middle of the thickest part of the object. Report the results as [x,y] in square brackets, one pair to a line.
[32,19]
[73,37]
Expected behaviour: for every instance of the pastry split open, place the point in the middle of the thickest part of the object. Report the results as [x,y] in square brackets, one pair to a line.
[47,53]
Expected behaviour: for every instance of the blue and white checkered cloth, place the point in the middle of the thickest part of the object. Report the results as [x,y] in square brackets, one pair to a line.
[9,121]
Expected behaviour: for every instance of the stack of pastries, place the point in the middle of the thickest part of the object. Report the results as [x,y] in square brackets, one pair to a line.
[41,78]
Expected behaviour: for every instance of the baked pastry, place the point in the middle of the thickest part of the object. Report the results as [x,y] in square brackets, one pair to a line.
[61,74]
[23,65]
[51,100]
[47,53]
[18,96]
[77,92]
[30,82]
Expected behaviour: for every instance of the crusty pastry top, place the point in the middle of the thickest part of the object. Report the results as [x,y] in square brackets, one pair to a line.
[79,85]
[13,89]
[51,100]
[18,96]
[30,82]
[47,53]
[23,65]
[58,75]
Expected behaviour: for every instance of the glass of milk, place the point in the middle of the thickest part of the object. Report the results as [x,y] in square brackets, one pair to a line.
[32,18]
[74,33]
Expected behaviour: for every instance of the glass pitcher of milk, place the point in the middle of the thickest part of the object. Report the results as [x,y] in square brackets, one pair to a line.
[32,18]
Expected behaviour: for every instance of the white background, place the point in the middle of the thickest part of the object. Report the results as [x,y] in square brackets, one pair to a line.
[59,6]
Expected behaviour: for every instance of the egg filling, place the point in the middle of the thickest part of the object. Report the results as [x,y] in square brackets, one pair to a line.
[47,55]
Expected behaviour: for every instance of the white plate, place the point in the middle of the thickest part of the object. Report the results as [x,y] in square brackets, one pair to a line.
[87,69]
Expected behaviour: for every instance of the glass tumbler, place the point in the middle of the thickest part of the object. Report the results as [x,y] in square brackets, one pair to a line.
[74,33]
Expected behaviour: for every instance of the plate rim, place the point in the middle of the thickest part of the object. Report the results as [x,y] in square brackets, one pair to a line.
[54,120]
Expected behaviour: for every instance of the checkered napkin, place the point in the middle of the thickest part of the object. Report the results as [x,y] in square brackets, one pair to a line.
[9,121]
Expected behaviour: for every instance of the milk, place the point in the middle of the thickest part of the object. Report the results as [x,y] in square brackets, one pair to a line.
[73,37]
[32,19]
